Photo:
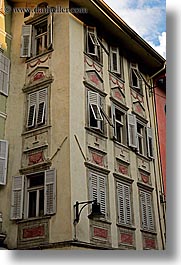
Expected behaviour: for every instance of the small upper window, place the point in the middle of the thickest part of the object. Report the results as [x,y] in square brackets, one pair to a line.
[92,43]
[37,38]
[116,65]
[135,77]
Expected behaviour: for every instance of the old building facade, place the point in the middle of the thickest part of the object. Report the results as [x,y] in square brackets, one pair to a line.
[79,128]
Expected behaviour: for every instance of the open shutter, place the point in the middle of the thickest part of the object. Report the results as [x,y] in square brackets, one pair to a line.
[50,31]
[50,192]
[115,60]
[92,41]
[93,185]
[132,130]
[32,104]
[102,194]
[3,161]
[4,73]
[26,41]
[42,99]
[17,198]
[150,142]
[94,102]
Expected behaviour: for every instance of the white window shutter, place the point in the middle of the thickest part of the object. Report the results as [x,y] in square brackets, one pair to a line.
[50,192]
[32,105]
[147,210]
[3,161]
[17,198]
[132,130]
[102,194]
[4,73]
[26,41]
[97,189]
[150,142]
[42,99]
[124,204]
[94,103]
[50,31]
[93,186]
[115,60]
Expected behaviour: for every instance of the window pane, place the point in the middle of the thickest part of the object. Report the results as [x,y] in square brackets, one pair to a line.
[41,202]
[134,79]
[32,203]
[93,121]
[36,180]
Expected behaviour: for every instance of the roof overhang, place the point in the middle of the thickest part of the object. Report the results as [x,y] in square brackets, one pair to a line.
[117,29]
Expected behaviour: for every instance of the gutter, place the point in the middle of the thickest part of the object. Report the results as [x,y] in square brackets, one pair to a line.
[163,68]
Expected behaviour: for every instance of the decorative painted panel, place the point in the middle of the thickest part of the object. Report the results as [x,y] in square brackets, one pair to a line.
[97,157]
[117,89]
[144,177]
[122,153]
[96,141]
[122,168]
[91,65]
[143,164]
[138,103]
[94,79]
[149,241]
[126,238]
[32,233]
[100,233]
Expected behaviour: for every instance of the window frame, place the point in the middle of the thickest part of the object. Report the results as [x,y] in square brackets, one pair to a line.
[20,196]
[35,99]
[115,50]
[141,145]
[5,73]
[94,98]
[3,161]
[29,32]
[123,124]
[135,70]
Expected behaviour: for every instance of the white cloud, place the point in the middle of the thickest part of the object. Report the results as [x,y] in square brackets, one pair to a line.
[161,48]
[145,20]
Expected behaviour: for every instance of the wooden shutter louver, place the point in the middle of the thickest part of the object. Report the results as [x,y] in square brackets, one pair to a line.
[50,192]
[132,130]
[17,197]
[3,161]
[4,73]
[32,110]
[98,190]
[147,210]
[26,41]
[42,96]
[124,204]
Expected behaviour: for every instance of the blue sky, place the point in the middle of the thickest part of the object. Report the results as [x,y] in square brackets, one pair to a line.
[146,17]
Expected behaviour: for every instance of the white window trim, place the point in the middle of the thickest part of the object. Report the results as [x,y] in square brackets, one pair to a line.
[115,50]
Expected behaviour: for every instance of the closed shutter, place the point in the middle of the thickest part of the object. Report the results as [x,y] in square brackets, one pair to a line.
[4,73]
[17,197]
[115,60]
[32,105]
[98,190]
[42,99]
[102,194]
[132,130]
[3,161]
[150,142]
[50,192]
[124,204]
[146,210]
[26,41]
[50,31]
